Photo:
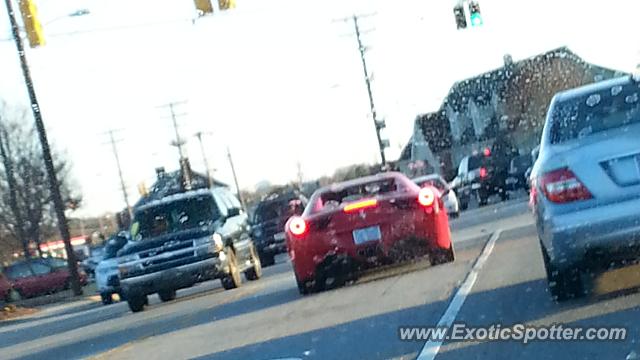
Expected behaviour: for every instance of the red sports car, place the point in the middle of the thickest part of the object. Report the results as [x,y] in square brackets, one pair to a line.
[363,223]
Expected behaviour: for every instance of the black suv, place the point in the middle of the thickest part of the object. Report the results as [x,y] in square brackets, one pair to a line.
[269,220]
[185,238]
[484,174]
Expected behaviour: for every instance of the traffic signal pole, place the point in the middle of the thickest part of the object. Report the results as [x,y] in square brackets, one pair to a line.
[54,187]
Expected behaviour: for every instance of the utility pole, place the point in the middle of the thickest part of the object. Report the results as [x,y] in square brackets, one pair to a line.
[300,174]
[235,177]
[58,204]
[378,124]
[185,167]
[178,142]
[5,153]
[123,187]
[204,158]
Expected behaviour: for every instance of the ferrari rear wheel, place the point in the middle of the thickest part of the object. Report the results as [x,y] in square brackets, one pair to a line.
[442,256]
[305,287]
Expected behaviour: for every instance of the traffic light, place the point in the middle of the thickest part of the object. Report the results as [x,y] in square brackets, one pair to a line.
[461,20]
[204,6]
[227,4]
[474,13]
[32,24]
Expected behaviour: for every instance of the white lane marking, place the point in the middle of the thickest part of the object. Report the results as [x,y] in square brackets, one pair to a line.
[431,348]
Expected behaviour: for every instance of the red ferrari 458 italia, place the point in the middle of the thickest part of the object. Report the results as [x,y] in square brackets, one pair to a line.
[363,223]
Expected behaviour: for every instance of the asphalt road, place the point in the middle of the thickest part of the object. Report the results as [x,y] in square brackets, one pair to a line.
[498,278]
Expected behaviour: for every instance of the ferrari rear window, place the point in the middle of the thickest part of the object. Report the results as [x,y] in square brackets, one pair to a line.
[334,199]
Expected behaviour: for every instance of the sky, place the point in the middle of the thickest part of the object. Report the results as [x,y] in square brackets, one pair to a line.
[276,82]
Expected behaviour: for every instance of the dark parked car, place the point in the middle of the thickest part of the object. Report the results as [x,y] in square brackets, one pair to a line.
[40,276]
[518,172]
[269,219]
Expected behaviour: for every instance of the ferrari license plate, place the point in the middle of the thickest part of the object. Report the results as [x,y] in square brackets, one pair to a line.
[367,234]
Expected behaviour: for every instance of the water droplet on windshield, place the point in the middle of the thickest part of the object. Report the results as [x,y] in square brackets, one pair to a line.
[593,100]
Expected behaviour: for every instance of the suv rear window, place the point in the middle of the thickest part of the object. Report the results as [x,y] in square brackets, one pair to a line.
[593,113]
[270,210]
[474,162]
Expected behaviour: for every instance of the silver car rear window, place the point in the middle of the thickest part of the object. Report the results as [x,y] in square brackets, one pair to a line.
[595,112]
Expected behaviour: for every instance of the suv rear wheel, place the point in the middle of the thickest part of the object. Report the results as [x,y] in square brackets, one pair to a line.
[267,259]
[232,279]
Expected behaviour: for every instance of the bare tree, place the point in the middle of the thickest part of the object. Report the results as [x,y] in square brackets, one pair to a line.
[28,217]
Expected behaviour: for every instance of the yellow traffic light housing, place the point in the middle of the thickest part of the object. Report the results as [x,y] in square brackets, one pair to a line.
[32,24]
[204,6]
[227,4]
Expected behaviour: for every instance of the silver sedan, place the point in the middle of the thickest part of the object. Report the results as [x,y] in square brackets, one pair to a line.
[586,182]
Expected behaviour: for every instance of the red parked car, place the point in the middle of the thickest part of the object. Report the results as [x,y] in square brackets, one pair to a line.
[5,288]
[363,223]
[40,276]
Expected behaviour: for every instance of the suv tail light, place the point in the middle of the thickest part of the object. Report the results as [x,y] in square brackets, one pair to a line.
[297,226]
[483,172]
[426,197]
[562,186]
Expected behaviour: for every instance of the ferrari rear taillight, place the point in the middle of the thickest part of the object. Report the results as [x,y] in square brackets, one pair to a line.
[562,186]
[297,226]
[363,204]
[426,197]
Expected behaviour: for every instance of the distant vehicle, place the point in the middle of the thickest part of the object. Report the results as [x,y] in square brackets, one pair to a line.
[268,222]
[517,172]
[586,182]
[448,194]
[40,276]
[364,223]
[186,238]
[89,264]
[107,279]
[534,156]
[484,174]
[5,288]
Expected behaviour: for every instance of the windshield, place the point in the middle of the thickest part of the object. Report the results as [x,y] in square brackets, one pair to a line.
[270,163]
[437,182]
[174,216]
[595,112]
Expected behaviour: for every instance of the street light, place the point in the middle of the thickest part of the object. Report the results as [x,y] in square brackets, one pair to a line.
[58,204]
